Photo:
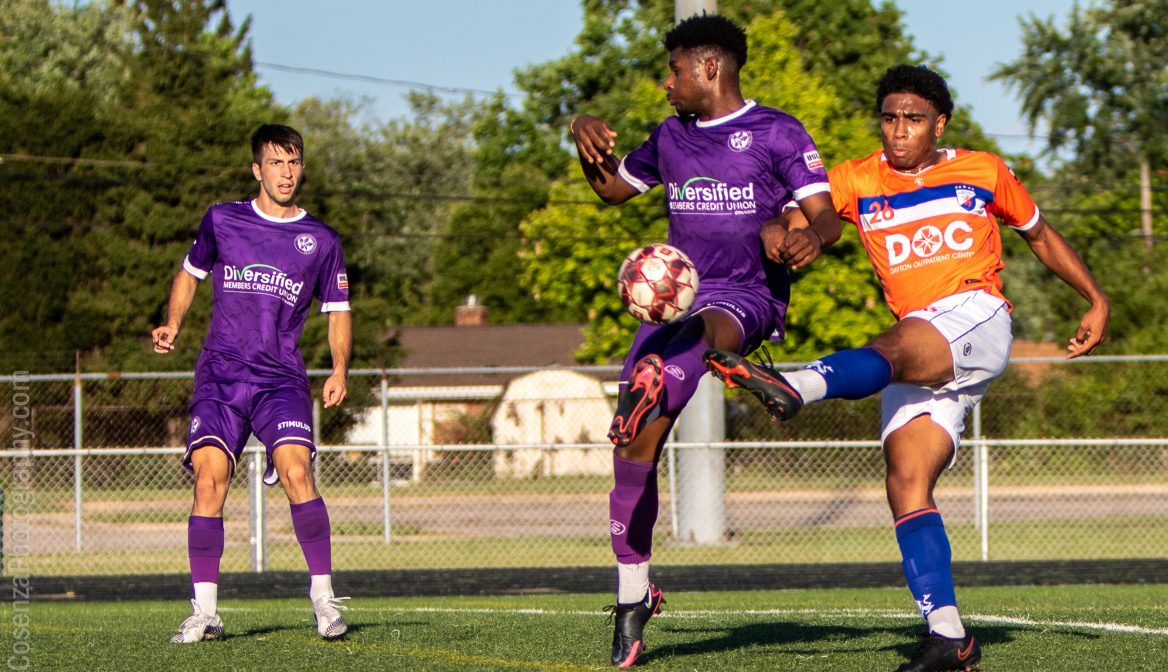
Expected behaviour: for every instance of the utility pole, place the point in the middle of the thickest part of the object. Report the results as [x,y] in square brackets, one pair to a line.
[701,486]
[683,9]
[1145,200]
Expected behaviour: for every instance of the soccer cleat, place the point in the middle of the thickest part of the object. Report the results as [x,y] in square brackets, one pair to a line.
[628,639]
[937,654]
[326,613]
[198,627]
[641,402]
[781,400]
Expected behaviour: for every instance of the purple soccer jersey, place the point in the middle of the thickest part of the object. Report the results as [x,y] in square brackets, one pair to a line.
[265,271]
[723,179]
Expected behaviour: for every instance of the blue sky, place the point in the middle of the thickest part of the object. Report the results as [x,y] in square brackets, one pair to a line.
[477,44]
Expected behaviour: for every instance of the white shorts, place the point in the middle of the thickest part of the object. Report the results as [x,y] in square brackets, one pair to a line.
[978,328]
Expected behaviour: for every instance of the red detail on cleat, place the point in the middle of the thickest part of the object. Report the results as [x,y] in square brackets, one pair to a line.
[634,654]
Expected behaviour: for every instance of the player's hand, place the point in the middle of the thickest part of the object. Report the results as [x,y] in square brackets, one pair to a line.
[595,139]
[774,236]
[1092,330]
[164,338]
[801,247]
[335,390]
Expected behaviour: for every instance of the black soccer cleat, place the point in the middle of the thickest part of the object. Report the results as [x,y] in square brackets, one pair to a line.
[628,639]
[939,654]
[781,400]
[641,401]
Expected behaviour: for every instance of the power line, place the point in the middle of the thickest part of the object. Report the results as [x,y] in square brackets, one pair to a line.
[329,74]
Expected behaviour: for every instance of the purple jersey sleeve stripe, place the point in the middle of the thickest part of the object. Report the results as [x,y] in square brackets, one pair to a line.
[811,189]
[628,177]
[199,273]
[334,307]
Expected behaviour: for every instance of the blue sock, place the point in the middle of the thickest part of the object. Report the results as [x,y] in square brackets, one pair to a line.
[926,554]
[854,374]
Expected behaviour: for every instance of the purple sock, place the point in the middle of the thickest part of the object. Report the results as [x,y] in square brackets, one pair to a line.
[632,509]
[684,369]
[204,548]
[311,522]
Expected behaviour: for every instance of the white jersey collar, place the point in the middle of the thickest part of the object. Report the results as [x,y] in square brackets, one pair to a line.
[301,212]
[729,117]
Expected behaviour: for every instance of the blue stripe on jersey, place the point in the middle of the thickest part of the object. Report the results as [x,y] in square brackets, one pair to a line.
[923,195]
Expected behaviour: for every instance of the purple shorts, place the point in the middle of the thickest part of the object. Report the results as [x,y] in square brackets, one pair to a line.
[753,315]
[226,414]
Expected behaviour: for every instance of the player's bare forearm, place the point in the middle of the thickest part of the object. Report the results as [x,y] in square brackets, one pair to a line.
[595,144]
[811,227]
[340,338]
[1057,255]
[182,295]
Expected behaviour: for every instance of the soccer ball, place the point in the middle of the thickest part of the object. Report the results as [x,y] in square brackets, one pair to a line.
[657,283]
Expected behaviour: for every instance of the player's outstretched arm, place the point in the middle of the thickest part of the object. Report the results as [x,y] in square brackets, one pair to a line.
[340,338]
[182,294]
[1054,251]
[595,141]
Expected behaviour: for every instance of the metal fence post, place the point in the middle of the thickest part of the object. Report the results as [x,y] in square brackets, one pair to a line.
[702,496]
[981,495]
[673,522]
[316,441]
[78,442]
[385,511]
[256,506]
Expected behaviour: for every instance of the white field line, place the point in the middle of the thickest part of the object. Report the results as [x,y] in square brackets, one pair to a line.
[822,613]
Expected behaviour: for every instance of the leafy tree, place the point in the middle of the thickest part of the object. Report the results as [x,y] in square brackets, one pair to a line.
[1100,86]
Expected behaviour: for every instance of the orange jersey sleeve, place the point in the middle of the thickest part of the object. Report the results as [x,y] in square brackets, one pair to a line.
[932,234]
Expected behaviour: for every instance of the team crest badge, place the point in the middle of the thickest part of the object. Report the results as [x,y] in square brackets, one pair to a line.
[306,243]
[740,141]
[967,199]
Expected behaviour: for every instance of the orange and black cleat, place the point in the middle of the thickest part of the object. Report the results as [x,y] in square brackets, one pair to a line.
[641,401]
[781,400]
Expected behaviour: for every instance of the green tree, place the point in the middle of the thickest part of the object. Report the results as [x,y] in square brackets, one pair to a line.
[1100,87]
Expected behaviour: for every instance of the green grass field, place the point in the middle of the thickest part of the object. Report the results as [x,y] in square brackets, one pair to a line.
[1029,629]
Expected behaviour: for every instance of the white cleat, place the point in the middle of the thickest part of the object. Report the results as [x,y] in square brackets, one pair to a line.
[326,612]
[198,627]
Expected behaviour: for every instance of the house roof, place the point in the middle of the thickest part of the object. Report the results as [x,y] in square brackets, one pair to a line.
[490,345]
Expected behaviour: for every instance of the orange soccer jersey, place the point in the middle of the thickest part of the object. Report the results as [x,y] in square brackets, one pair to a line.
[933,234]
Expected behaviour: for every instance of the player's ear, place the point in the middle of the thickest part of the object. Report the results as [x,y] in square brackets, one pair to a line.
[710,67]
[255,170]
[942,122]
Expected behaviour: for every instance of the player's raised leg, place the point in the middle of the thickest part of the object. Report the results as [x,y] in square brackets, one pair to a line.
[212,469]
[310,521]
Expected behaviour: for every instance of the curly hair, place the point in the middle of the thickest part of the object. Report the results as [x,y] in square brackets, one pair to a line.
[711,31]
[919,80]
[284,137]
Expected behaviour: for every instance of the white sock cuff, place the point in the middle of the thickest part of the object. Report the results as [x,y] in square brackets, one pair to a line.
[632,582]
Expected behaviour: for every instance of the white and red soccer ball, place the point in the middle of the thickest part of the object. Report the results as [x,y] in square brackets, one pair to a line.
[658,283]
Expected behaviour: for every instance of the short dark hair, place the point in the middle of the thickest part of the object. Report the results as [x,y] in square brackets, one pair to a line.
[284,137]
[709,30]
[919,80]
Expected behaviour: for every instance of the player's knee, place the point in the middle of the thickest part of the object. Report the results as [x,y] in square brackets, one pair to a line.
[908,479]
[297,477]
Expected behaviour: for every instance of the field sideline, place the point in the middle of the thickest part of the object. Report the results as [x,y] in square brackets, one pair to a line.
[1025,629]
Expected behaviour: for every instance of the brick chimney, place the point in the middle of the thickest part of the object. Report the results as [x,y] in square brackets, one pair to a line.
[471,314]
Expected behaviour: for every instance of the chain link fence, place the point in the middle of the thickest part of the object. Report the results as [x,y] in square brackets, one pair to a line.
[1062,460]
